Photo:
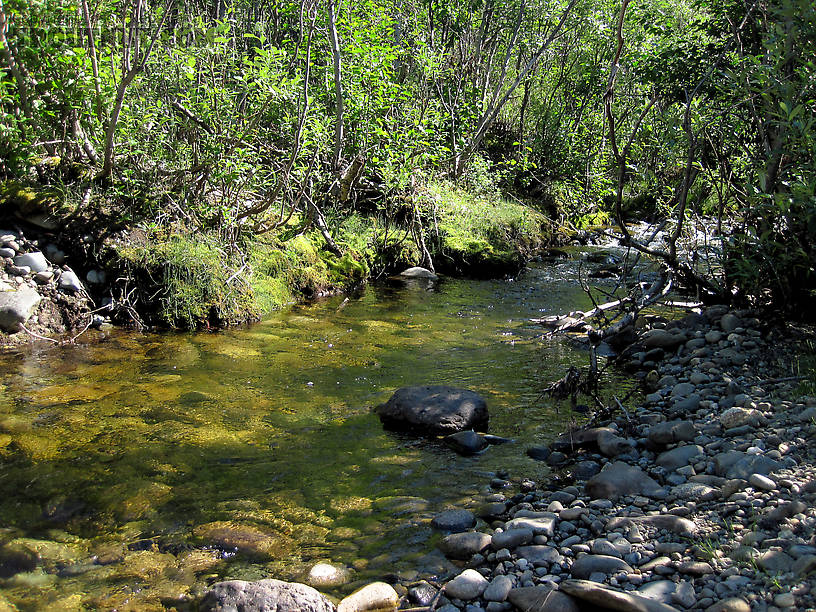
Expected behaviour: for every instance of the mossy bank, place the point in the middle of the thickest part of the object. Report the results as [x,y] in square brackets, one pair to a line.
[184,275]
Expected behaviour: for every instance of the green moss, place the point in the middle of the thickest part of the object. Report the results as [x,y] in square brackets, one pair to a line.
[481,235]
[17,198]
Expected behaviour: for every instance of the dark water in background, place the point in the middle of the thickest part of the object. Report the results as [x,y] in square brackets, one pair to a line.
[123,461]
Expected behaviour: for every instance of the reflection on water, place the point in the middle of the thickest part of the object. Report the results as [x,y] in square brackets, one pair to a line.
[133,468]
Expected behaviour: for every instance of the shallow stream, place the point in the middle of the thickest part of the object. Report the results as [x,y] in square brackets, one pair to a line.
[132,468]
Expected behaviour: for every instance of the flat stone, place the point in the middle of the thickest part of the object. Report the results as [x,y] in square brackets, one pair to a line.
[264,595]
[619,479]
[660,338]
[544,525]
[586,565]
[736,464]
[695,568]
[680,456]
[418,272]
[539,554]
[606,597]
[35,261]
[541,599]
[731,604]
[658,590]
[761,482]
[434,410]
[695,491]
[454,520]
[804,565]
[775,561]
[738,417]
[511,538]
[16,307]
[669,522]
[463,546]
[468,585]
[672,431]
[376,597]
[683,389]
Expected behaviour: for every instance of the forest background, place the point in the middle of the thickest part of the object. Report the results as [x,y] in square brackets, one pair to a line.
[222,158]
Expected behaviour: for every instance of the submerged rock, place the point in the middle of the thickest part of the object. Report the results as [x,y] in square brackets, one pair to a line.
[264,595]
[434,410]
[466,442]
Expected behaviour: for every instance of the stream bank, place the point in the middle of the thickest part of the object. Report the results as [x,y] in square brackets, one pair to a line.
[81,265]
[701,497]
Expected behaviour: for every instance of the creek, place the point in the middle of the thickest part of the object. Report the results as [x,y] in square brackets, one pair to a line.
[132,466]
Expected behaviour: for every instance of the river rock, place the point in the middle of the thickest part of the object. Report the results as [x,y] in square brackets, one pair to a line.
[619,479]
[680,456]
[434,410]
[454,520]
[541,599]
[611,444]
[539,525]
[246,539]
[539,554]
[581,438]
[585,566]
[418,272]
[664,339]
[466,442]
[374,597]
[266,595]
[669,522]
[737,417]
[736,464]
[326,575]
[70,282]
[468,585]
[422,593]
[16,307]
[511,538]
[605,597]
[498,589]
[729,322]
[672,431]
[730,604]
[35,261]
[463,546]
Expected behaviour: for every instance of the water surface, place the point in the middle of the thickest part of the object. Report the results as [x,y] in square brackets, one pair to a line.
[134,466]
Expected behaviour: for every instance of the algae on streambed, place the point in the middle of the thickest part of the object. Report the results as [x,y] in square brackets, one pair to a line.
[136,470]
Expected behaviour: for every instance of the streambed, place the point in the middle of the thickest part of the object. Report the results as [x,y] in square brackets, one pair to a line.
[132,468]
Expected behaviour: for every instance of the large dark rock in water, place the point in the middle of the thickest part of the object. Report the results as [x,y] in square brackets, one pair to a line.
[264,596]
[434,410]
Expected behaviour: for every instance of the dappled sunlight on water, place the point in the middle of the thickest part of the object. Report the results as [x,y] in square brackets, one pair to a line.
[141,462]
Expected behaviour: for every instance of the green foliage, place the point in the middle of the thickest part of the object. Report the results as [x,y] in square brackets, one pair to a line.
[200,283]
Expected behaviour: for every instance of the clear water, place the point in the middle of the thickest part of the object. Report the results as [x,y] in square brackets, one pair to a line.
[134,465]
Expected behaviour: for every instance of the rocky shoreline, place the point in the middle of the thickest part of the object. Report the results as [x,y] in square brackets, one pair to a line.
[701,498]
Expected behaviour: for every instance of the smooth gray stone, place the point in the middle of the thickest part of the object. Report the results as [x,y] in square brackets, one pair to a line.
[680,456]
[463,546]
[466,442]
[16,307]
[620,479]
[544,525]
[661,338]
[669,522]
[659,590]
[498,589]
[35,261]
[539,554]
[468,585]
[69,281]
[585,566]
[418,272]
[266,595]
[511,539]
[672,431]
[605,597]
[541,599]
[434,410]
[454,520]
[374,596]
